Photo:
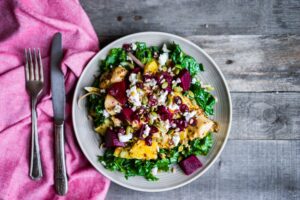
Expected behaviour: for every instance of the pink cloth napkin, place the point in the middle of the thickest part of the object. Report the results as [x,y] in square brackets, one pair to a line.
[32,23]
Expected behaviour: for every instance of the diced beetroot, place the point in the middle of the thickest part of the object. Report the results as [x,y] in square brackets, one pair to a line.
[153,130]
[118,90]
[180,123]
[177,100]
[125,115]
[127,47]
[164,113]
[152,101]
[190,164]
[193,121]
[139,133]
[185,79]
[148,140]
[112,140]
[183,108]
[140,85]
[136,70]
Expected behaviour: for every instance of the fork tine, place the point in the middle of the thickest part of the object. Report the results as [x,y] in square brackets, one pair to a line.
[31,65]
[36,65]
[26,66]
[41,66]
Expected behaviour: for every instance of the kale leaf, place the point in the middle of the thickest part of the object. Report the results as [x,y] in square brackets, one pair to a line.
[203,98]
[143,53]
[130,167]
[183,60]
[114,57]
[199,146]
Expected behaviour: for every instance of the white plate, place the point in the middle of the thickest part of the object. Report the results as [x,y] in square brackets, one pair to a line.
[89,141]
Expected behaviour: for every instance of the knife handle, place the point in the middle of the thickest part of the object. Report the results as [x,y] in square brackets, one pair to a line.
[60,173]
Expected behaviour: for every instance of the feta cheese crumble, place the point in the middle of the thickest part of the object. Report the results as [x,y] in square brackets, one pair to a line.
[154,171]
[132,78]
[146,131]
[176,139]
[105,113]
[134,96]
[165,49]
[163,59]
[162,98]
[117,109]
[189,115]
[124,138]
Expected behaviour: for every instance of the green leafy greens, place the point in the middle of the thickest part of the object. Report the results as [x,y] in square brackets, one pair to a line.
[135,167]
[183,60]
[203,98]
[114,57]
[95,105]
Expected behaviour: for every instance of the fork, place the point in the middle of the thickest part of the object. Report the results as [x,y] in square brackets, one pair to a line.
[34,86]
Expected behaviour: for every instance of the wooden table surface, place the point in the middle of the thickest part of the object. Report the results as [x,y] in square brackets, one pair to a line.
[257,46]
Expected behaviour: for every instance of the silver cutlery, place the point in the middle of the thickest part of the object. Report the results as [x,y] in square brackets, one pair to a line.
[58,101]
[34,86]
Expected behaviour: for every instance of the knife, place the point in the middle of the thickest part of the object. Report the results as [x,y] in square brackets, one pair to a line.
[58,101]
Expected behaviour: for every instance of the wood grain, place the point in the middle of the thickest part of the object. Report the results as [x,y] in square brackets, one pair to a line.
[247,169]
[192,17]
[256,63]
[265,116]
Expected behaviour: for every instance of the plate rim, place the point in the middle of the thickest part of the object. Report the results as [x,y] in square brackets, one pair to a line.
[108,46]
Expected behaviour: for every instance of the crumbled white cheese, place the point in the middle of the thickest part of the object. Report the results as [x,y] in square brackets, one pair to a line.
[189,115]
[154,171]
[117,109]
[194,80]
[102,91]
[165,124]
[132,78]
[105,113]
[176,139]
[150,82]
[134,96]
[178,80]
[124,138]
[163,58]
[162,98]
[173,106]
[133,46]
[146,131]
[165,49]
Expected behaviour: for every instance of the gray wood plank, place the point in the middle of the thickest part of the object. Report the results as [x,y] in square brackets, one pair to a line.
[247,169]
[256,63]
[185,17]
[265,116]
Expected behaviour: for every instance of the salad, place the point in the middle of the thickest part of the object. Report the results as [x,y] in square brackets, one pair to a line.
[151,111]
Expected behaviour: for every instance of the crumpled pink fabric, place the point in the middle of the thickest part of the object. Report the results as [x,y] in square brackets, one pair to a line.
[32,23]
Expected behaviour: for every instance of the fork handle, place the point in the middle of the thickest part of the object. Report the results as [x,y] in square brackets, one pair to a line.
[60,174]
[35,161]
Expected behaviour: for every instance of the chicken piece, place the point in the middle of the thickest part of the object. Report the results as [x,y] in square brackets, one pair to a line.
[118,74]
[101,129]
[110,103]
[202,128]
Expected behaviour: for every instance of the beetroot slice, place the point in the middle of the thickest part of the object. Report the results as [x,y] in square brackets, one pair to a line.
[185,79]
[112,140]
[190,164]
[125,115]
[164,113]
[118,90]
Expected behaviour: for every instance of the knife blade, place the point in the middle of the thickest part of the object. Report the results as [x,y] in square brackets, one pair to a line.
[58,102]
[57,79]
